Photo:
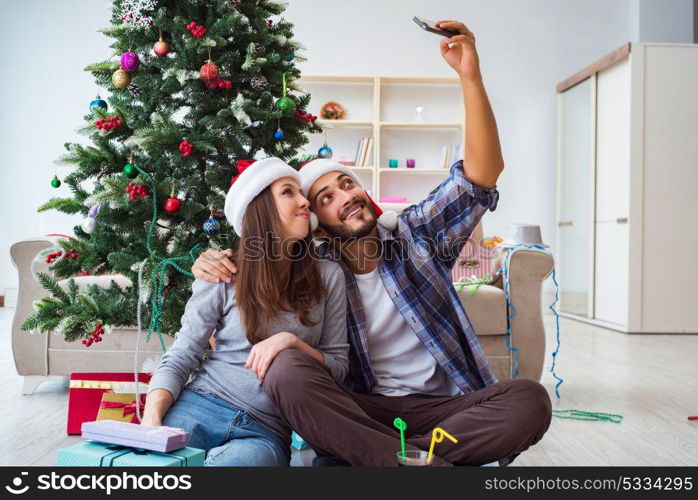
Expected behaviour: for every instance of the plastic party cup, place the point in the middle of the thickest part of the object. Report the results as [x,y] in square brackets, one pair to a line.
[413,458]
[392,163]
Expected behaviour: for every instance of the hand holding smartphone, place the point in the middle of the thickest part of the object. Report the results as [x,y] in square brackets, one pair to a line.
[430,26]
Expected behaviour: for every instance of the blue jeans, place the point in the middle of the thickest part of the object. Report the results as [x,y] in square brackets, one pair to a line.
[229,436]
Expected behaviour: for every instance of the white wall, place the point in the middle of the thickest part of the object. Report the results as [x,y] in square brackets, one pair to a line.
[525,47]
[44,46]
[663,21]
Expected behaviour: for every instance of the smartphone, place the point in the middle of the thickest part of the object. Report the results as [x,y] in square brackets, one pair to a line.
[428,25]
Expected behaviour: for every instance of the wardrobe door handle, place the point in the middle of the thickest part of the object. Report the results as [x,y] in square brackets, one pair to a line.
[565,223]
[622,220]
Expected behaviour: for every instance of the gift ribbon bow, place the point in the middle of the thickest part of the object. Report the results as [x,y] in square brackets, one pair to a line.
[241,166]
[129,408]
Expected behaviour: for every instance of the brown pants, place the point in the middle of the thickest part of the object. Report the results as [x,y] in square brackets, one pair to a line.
[495,423]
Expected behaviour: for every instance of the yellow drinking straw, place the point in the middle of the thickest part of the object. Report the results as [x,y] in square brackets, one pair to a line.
[402,426]
[438,435]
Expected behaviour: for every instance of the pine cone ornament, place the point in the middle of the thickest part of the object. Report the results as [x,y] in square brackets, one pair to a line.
[259,49]
[134,89]
[259,83]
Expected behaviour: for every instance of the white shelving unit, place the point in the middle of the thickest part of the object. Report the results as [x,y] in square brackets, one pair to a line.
[384,108]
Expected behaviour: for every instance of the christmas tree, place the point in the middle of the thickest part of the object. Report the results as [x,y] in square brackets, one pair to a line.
[197,88]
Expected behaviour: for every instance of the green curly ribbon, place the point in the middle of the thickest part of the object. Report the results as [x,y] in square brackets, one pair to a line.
[157,275]
[478,282]
[588,416]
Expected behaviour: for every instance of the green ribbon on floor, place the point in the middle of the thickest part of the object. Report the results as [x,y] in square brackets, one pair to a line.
[588,416]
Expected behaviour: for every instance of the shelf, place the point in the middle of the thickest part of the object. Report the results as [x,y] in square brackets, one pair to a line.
[384,80]
[383,107]
[401,80]
[344,123]
[419,126]
[416,170]
[337,79]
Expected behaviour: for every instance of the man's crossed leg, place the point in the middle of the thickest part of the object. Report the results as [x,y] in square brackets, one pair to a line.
[495,423]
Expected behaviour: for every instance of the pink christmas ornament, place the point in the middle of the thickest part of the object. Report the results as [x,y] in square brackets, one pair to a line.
[130,61]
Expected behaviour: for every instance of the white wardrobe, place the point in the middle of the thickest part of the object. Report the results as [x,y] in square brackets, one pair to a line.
[627,234]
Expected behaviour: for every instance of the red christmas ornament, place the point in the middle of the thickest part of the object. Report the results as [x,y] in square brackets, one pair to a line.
[186,147]
[173,205]
[109,123]
[161,48]
[196,29]
[95,336]
[136,191]
[305,116]
[53,257]
[209,72]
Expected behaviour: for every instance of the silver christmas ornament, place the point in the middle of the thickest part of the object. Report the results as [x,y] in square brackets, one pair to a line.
[89,225]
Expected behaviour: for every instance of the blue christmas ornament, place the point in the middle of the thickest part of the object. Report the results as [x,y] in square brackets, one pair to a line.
[212,226]
[279,135]
[98,104]
[325,152]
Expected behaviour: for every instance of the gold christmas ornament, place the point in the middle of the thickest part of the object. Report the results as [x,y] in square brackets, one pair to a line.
[121,78]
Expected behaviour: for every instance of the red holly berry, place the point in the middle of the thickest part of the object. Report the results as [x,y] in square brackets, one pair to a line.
[98,339]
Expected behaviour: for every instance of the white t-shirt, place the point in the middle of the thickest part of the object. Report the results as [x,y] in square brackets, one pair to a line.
[400,361]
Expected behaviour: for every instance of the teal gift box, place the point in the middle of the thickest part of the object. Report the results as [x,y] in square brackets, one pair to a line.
[297,442]
[93,454]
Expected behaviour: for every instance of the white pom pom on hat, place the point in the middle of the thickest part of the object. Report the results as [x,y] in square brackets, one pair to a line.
[251,181]
[314,223]
[313,170]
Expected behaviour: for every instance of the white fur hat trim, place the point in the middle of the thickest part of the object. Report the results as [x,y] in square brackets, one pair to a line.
[250,183]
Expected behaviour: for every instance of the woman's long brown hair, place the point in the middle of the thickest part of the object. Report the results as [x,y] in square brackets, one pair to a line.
[268,281]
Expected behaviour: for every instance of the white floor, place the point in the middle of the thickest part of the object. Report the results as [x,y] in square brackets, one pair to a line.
[651,380]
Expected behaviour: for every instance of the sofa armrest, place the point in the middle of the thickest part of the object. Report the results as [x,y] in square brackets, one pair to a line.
[29,349]
[527,271]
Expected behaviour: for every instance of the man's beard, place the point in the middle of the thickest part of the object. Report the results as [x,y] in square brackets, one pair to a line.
[345,234]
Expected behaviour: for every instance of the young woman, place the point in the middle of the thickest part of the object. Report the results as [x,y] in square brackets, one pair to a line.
[283,298]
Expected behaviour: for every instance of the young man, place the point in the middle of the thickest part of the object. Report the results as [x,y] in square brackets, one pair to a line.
[413,351]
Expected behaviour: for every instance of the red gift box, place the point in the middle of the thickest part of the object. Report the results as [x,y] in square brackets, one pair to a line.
[86,391]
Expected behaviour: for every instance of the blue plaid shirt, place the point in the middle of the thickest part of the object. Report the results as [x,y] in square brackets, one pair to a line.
[415,267]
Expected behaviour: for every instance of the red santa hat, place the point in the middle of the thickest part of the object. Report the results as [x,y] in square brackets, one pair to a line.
[251,180]
[311,171]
